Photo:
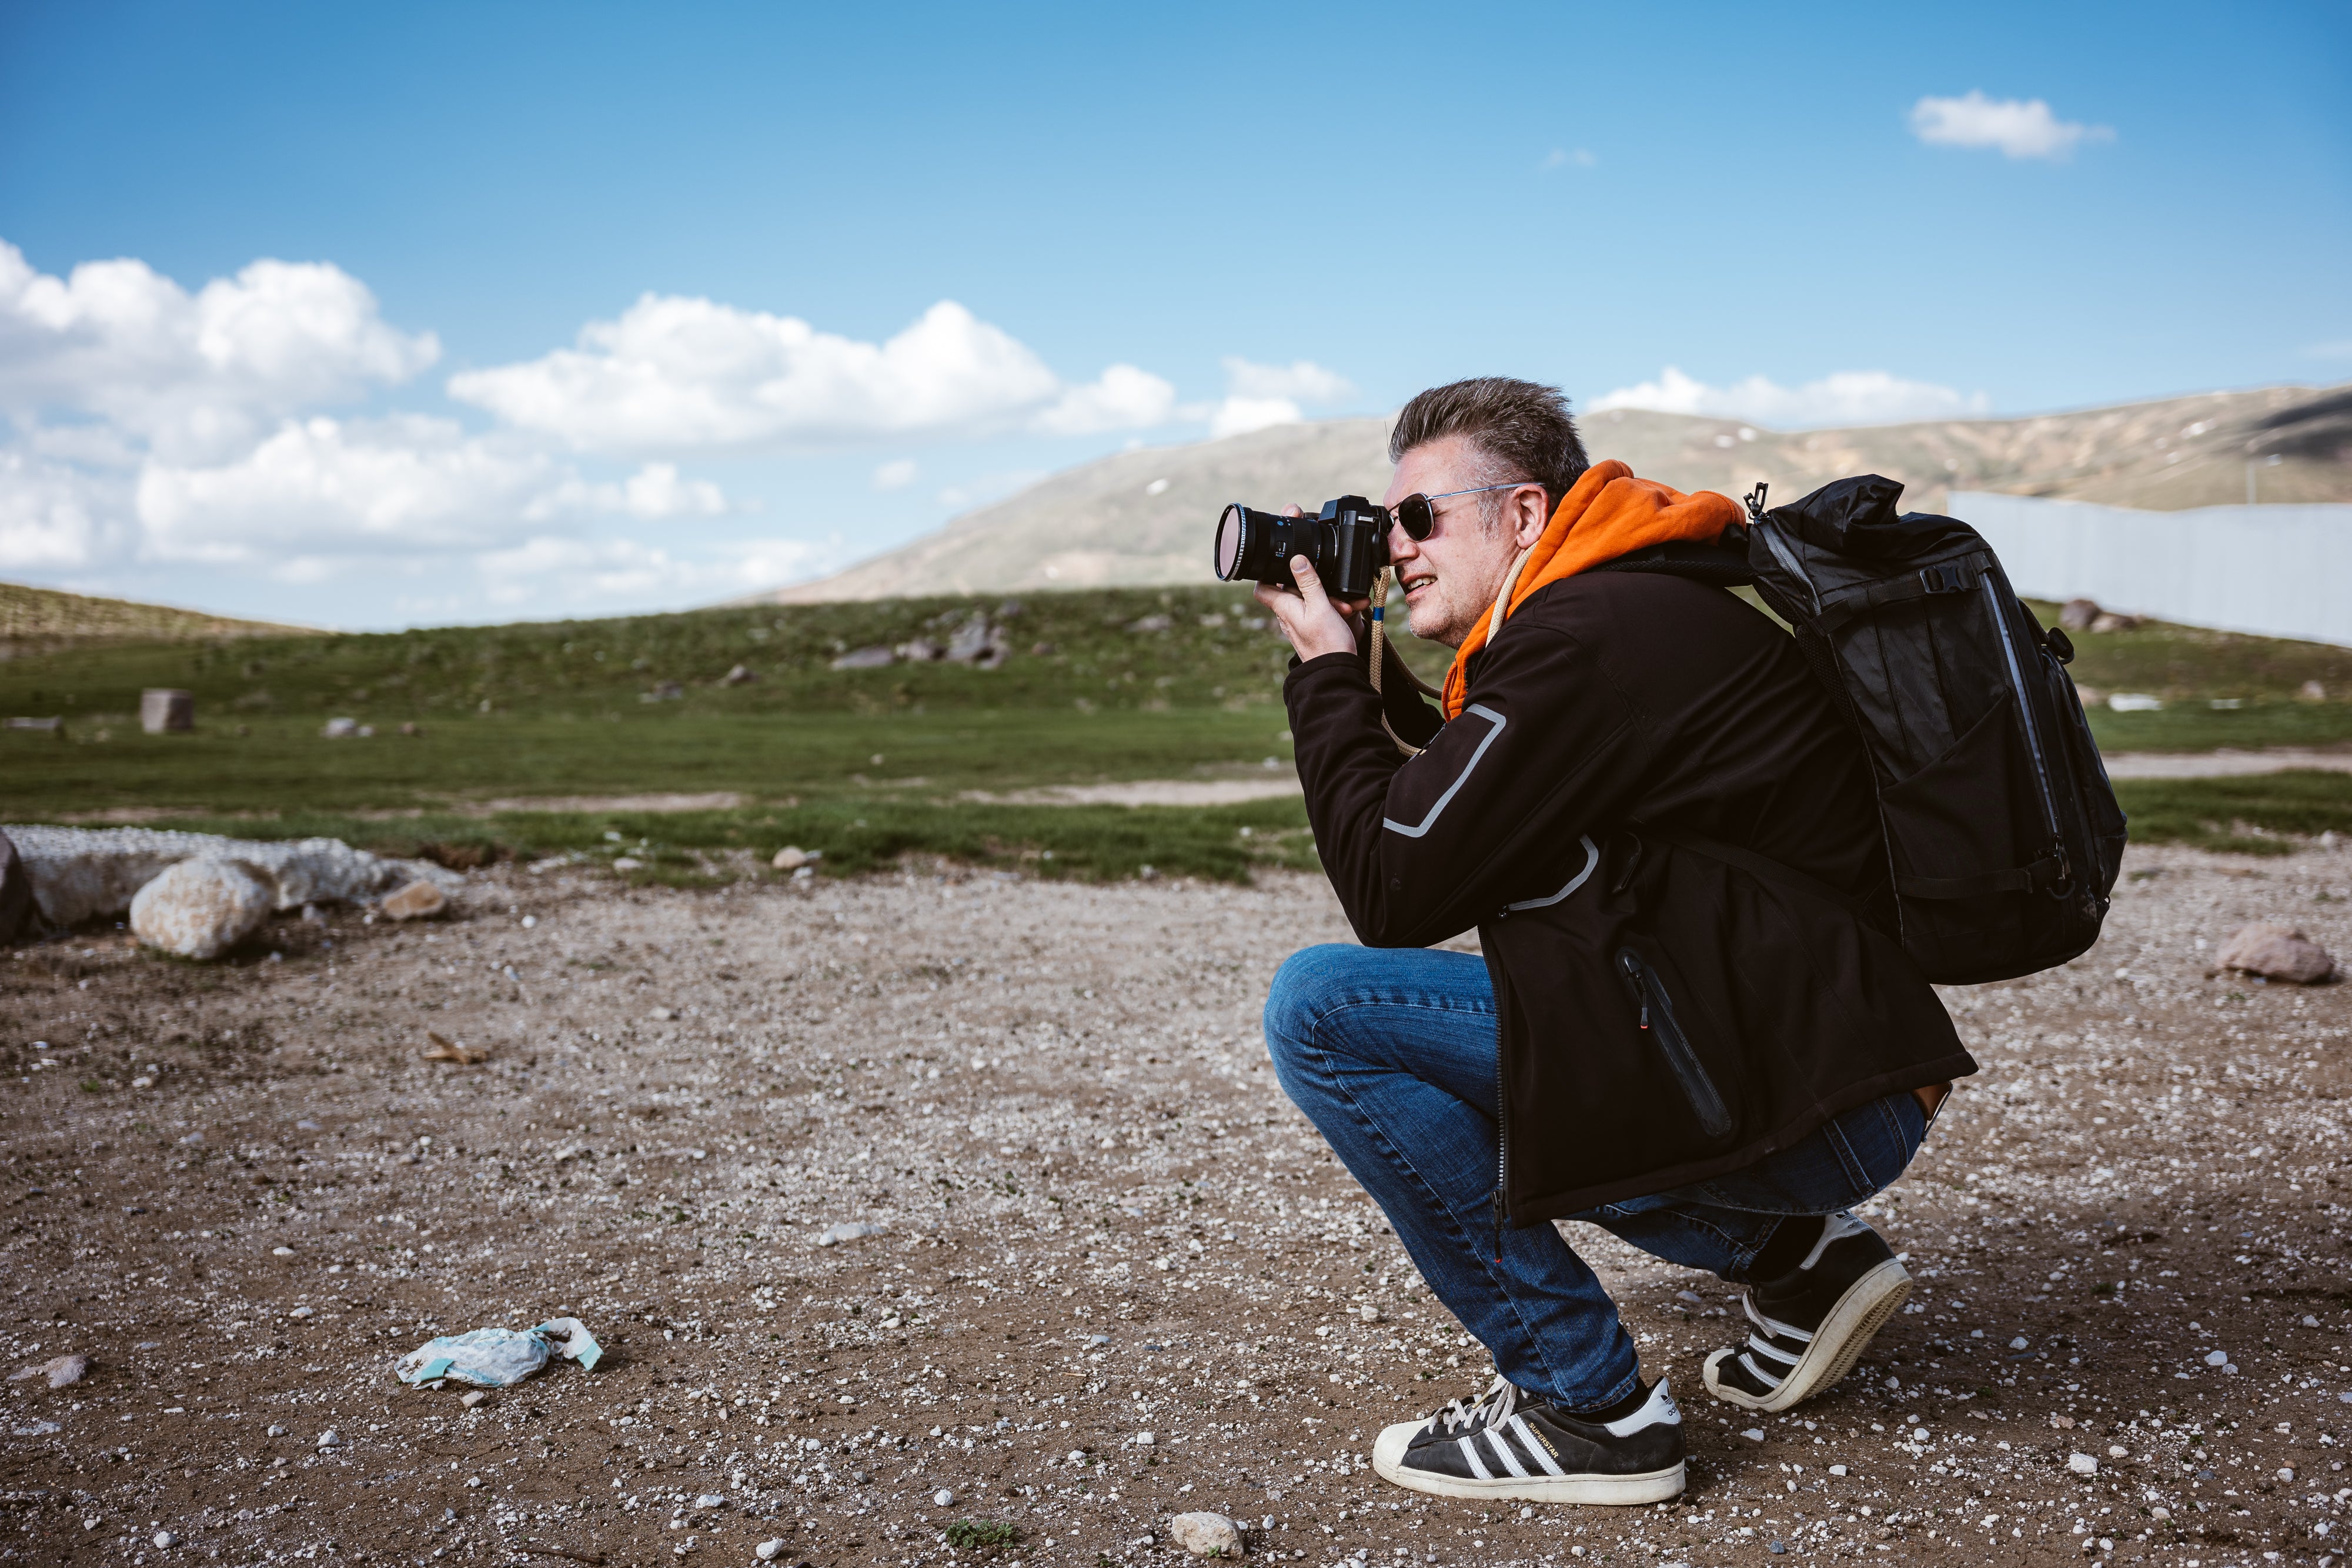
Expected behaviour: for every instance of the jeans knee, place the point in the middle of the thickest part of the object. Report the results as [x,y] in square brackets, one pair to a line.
[1302,993]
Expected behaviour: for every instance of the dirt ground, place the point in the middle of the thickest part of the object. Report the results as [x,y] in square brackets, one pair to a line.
[241,1192]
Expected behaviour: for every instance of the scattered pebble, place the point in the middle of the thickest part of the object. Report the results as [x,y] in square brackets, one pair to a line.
[770,1550]
[1206,1535]
[62,1371]
[472,1398]
[330,1439]
[2082,1464]
[836,1234]
[165,1540]
[2020,1342]
[1754,1434]
[943,1498]
[2217,1358]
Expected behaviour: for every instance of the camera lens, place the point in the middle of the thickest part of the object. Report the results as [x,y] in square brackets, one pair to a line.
[1232,531]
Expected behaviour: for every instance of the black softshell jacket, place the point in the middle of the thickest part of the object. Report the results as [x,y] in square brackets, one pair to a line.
[1667,1015]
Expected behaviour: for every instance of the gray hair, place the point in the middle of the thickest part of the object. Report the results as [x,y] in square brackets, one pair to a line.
[1521,430]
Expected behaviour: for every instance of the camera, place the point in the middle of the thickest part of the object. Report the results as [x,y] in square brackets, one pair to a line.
[1347,543]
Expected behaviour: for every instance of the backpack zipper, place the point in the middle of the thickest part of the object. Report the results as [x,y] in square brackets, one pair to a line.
[2025,718]
[1502,1149]
[1660,1023]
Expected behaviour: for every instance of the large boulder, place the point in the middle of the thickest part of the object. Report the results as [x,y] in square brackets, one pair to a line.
[2278,953]
[92,873]
[201,909]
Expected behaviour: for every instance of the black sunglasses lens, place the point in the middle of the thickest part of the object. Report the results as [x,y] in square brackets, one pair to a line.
[1417,520]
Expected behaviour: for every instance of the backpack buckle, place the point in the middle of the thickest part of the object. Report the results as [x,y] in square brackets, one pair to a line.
[1948,577]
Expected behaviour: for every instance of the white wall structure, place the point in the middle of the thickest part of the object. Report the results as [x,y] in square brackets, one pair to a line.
[2280,571]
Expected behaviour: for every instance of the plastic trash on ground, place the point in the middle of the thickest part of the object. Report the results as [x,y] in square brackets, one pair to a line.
[494,1358]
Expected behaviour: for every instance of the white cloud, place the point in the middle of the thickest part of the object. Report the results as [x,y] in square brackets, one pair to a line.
[896,476]
[320,488]
[193,376]
[1259,396]
[54,518]
[1122,398]
[2021,128]
[1846,397]
[674,374]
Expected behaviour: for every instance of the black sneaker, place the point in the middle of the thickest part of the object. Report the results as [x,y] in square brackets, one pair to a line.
[1812,1325]
[1512,1445]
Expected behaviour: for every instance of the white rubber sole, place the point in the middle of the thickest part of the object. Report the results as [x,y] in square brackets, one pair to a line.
[1836,1345]
[1625,1491]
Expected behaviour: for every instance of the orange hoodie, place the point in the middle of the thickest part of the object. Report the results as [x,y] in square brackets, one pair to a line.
[1608,514]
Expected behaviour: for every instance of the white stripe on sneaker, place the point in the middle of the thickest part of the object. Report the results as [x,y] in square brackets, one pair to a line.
[1535,1446]
[1470,1457]
[1505,1450]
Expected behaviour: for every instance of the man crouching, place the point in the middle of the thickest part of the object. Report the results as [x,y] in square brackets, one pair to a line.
[1690,1024]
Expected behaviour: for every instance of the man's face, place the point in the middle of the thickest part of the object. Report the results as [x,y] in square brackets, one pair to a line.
[1451,578]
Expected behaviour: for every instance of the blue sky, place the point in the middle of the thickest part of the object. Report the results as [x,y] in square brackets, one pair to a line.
[453,404]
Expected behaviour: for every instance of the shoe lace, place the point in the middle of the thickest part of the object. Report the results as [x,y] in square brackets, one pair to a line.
[1495,1406]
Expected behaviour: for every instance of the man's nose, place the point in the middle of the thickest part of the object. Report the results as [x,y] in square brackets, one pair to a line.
[1401,547]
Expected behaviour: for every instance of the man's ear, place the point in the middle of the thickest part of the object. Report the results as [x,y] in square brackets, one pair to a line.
[1530,512]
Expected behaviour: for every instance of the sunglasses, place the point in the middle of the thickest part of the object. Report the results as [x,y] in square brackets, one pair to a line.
[1418,518]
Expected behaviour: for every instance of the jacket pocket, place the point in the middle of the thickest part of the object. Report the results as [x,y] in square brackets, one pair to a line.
[1655,1008]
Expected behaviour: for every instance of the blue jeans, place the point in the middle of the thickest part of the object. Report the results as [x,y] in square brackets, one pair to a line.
[1394,1054]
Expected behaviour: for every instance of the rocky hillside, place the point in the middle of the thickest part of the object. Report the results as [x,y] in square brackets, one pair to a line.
[1145,517]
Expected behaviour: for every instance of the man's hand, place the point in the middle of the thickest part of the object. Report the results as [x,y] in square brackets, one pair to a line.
[1314,621]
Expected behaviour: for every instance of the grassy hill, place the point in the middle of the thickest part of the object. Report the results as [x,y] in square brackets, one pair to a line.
[1145,517]
[42,618]
[1104,684]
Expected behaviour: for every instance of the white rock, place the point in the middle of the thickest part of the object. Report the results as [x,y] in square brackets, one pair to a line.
[943,1499]
[2018,1343]
[1754,1434]
[200,909]
[2117,1451]
[1370,1313]
[2082,1464]
[836,1234]
[165,1541]
[710,1499]
[791,857]
[417,901]
[88,874]
[330,1439]
[281,1251]
[770,1550]
[1206,1535]
[2217,1358]
[1837,1470]
[1146,1439]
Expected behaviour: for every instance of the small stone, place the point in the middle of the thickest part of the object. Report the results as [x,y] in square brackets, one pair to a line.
[472,1399]
[340,728]
[330,1439]
[943,1498]
[1369,1312]
[201,908]
[873,658]
[165,1540]
[2082,1464]
[741,676]
[1146,1439]
[281,1251]
[1692,1297]
[791,857]
[627,863]
[2020,1342]
[1777,1547]
[1754,1434]
[2277,952]
[2286,1472]
[2217,1358]
[2117,1451]
[1838,1469]
[2309,1322]
[1206,1535]
[836,1234]
[277,1431]
[770,1550]
[417,901]
[303,1313]
[710,1499]
[64,1371]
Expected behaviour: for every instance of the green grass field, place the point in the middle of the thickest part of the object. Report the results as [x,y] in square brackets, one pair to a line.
[867,765]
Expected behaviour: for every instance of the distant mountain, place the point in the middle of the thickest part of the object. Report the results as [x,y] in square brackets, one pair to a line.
[38,618]
[1146,517]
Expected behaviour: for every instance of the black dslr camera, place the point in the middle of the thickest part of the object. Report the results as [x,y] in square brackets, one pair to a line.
[1348,544]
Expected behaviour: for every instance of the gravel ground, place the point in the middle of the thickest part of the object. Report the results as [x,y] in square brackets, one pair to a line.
[241,1192]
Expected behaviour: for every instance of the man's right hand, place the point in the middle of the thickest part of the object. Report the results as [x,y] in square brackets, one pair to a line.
[1314,621]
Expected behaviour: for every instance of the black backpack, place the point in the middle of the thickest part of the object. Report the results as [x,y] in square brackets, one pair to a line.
[2003,833]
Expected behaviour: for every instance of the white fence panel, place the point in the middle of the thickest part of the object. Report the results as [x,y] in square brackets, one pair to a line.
[2280,571]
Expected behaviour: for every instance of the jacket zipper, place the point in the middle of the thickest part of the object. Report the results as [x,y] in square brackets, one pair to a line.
[2025,716]
[1706,1102]
[1502,1149]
